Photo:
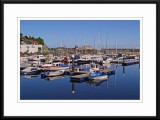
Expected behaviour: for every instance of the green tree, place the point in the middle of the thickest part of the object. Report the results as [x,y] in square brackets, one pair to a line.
[21,35]
[40,41]
[26,37]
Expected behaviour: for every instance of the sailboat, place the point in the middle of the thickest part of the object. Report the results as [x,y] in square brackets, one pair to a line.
[109,59]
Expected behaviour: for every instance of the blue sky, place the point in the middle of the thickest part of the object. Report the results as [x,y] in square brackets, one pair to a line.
[59,33]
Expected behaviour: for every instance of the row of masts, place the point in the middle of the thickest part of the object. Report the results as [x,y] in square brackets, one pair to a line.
[107,43]
[99,45]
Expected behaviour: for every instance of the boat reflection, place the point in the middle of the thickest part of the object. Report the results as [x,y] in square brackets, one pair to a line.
[107,65]
[123,70]
[29,76]
[54,78]
[96,82]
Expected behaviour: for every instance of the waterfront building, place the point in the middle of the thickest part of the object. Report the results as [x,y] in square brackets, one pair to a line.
[29,46]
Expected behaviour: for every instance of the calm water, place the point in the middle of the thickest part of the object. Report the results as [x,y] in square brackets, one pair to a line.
[124,85]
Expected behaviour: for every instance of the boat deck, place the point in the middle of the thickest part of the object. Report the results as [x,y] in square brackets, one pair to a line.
[79,76]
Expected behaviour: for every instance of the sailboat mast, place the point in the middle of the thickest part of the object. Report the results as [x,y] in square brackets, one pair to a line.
[94,45]
[133,47]
[99,41]
[116,46]
[107,44]
[85,44]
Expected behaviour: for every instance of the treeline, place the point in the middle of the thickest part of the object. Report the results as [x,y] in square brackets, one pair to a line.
[39,40]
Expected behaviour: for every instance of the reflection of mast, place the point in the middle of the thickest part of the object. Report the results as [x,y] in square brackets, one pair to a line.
[73,87]
[115,77]
[123,70]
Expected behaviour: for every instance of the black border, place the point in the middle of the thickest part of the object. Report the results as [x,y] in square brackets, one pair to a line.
[157,2]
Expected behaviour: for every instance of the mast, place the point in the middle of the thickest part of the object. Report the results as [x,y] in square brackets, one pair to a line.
[116,47]
[85,44]
[94,45]
[99,41]
[106,45]
[107,42]
[133,47]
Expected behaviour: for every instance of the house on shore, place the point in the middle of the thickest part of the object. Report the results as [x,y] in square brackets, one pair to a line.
[30,46]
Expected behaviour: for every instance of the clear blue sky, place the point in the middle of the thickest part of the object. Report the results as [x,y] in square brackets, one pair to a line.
[58,33]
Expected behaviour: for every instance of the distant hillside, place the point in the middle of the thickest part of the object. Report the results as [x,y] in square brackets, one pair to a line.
[31,39]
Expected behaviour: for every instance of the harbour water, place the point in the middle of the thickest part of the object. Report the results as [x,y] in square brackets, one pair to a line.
[123,85]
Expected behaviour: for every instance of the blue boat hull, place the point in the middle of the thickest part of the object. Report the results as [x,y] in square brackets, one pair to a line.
[96,74]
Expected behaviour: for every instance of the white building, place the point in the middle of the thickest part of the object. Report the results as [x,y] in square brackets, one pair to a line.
[30,48]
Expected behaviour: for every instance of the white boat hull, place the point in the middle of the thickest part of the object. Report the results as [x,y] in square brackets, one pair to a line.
[55,73]
[104,77]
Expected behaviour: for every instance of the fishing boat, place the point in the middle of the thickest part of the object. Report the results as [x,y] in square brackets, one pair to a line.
[31,71]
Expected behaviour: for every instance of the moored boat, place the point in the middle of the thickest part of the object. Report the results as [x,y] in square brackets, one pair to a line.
[47,65]
[31,71]
[56,65]
[97,75]
[53,73]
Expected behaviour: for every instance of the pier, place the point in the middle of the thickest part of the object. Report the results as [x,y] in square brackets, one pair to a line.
[79,77]
[117,61]
[109,72]
[126,63]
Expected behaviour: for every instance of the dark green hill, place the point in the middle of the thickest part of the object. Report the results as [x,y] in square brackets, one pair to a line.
[32,39]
